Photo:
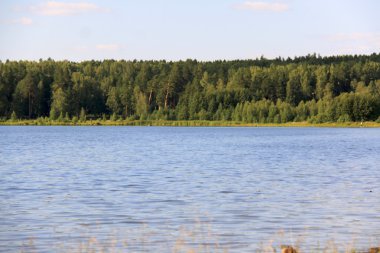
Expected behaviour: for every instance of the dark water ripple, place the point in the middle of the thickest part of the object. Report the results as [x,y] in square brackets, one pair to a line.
[148,187]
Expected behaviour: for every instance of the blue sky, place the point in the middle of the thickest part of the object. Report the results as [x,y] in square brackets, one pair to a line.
[182,29]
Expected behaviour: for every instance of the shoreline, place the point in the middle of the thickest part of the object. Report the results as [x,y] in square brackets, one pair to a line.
[183,123]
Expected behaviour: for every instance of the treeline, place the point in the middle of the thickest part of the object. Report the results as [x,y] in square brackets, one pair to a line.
[313,88]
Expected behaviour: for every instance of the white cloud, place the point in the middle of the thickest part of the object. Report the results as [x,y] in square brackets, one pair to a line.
[19,21]
[55,8]
[25,21]
[370,37]
[108,47]
[351,43]
[263,6]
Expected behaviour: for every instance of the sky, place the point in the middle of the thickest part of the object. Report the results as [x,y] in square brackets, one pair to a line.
[205,30]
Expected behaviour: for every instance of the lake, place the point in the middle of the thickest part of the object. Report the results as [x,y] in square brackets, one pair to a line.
[164,189]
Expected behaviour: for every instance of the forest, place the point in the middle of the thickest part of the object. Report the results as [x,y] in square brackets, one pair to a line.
[309,88]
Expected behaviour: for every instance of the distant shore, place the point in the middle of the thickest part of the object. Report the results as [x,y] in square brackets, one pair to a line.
[183,123]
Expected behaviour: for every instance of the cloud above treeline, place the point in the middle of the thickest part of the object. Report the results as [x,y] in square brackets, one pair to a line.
[55,8]
[263,6]
[19,21]
[359,42]
[370,37]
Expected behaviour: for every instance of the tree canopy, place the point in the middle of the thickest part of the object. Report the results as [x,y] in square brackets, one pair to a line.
[319,89]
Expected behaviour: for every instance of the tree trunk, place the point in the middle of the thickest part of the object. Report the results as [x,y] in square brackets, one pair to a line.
[150,96]
[166,98]
[30,106]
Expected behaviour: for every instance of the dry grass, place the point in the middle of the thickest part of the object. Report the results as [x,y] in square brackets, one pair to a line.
[199,238]
[188,123]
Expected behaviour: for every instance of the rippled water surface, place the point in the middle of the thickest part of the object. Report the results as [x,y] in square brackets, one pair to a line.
[159,188]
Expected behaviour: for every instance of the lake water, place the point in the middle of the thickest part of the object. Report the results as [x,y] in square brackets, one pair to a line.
[163,189]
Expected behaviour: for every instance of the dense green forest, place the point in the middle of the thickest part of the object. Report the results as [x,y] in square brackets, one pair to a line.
[313,88]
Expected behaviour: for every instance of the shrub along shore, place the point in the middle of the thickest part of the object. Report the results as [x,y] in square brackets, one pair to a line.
[180,123]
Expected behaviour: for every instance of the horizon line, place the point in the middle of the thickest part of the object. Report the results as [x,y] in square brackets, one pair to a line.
[262,57]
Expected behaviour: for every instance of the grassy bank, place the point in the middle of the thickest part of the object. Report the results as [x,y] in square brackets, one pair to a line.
[193,123]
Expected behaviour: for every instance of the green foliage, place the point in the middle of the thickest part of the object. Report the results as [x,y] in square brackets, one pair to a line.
[59,104]
[141,103]
[13,116]
[74,120]
[113,117]
[82,115]
[53,114]
[310,88]
[60,118]
[344,118]
[67,117]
